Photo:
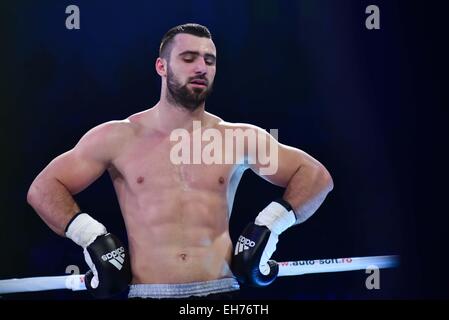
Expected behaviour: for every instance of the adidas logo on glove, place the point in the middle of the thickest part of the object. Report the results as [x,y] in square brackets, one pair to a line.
[115,257]
[243,244]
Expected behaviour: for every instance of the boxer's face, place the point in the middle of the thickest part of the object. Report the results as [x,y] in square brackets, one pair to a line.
[191,70]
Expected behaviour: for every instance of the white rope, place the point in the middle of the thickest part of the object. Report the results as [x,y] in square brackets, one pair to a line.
[72,282]
[289,268]
[295,268]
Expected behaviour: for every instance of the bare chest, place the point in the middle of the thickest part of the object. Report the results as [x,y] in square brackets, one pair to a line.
[153,162]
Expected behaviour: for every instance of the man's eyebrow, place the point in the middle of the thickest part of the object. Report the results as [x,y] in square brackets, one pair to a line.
[196,53]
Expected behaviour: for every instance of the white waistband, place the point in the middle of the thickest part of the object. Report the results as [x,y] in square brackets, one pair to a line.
[182,290]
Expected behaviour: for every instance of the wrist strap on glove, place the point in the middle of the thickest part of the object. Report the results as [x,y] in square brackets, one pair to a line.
[83,229]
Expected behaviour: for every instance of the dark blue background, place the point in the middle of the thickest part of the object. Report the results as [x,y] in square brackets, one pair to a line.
[370,105]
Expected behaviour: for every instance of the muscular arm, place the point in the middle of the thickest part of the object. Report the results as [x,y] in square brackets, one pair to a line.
[308,186]
[306,180]
[51,193]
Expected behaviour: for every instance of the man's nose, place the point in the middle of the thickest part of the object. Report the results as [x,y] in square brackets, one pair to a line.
[200,66]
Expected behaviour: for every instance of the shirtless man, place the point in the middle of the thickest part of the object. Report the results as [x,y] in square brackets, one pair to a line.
[176,214]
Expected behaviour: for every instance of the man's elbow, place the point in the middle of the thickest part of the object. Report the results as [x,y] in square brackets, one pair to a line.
[32,194]
[326,179]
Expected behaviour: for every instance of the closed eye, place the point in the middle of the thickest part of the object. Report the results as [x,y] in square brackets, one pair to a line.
[190,56]
[210,61]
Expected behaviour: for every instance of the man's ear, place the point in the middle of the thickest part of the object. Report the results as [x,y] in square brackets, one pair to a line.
[161,67]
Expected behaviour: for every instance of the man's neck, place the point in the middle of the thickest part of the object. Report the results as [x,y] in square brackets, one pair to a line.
[172,117]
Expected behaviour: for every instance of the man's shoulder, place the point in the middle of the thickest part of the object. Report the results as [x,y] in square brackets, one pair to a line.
[114,127]
[222,124]
[124,128]
[106,134]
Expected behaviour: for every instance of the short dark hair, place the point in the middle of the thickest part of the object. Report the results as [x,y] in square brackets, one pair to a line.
[189,28]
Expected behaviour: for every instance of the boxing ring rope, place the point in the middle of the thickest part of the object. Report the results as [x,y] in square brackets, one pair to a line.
[73,282]
[288,268]
[296,268]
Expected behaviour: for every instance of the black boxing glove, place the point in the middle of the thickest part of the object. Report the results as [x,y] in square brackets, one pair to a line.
[111,261]
[251,263]
[107,258]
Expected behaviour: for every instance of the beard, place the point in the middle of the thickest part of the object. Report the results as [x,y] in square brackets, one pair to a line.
[184,96]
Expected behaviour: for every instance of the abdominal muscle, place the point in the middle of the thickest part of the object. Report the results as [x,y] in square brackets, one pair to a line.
[176,235]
